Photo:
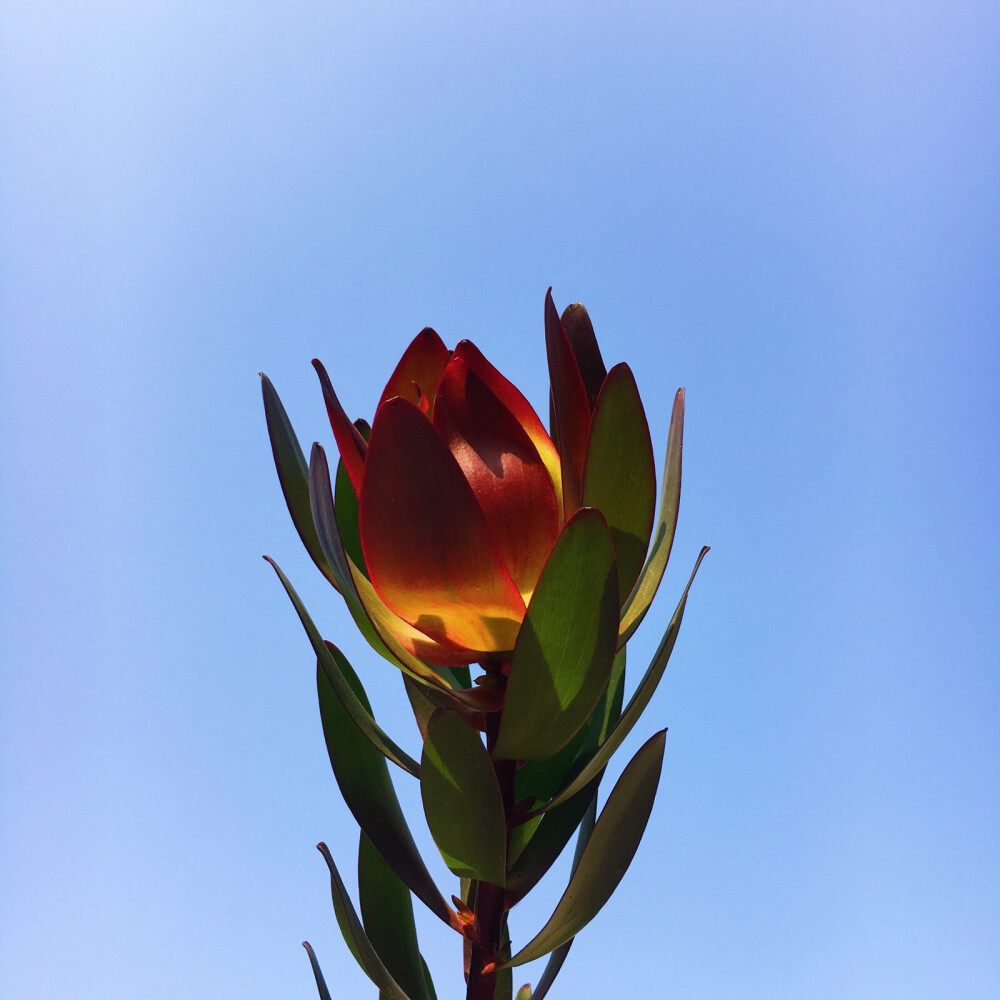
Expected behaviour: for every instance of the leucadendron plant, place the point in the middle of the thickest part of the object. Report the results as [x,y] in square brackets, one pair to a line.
[501,568]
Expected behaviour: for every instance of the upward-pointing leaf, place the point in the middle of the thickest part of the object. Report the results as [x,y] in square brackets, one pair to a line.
[637,703]
[619,477]
[364,781]
[638,602]
[462,799]
[355,936]
[360,716]
[608,853]
[564,650]
[387,914]
[293,475]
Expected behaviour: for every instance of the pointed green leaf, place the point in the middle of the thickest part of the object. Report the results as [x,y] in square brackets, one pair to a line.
[524,993]
[293,475]
[359,715]
[547,842]
[364,781]
[387,915]
[347,508]
[564,650]
[462,799]
[504,988]
[637,703]
[635,608]
[608,852]
[324,993]
[355,936]
[619,477]
[533,852]
[428,982]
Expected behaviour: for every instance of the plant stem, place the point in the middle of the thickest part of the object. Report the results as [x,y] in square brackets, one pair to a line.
[490,906]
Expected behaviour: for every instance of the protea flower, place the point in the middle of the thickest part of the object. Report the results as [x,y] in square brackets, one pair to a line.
[459,531]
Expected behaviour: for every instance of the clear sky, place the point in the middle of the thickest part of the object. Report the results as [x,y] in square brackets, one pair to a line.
[790,208]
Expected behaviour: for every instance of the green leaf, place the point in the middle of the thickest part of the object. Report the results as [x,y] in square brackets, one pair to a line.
[364,782]
[324,993]
[607,855]
[462,799]
[387,914]
[558,957]
[547,842]
[564,650]
[357,712]
[619,477]
[524,993]
[428,982]
[504,988]
[637,703]
[293,475]
[638,602]
[355,936]
[347,508]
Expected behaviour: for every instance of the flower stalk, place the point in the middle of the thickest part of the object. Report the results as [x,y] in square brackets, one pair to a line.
[462,535]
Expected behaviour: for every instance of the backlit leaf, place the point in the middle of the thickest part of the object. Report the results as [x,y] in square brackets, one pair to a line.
[607,855]
[564,650]
[638,602]
[462,799]
[619,476]
[637,703]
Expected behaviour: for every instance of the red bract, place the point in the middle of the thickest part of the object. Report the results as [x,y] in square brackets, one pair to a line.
[461,491]
[460,499]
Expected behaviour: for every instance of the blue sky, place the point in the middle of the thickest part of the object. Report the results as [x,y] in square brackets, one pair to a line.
[791,209]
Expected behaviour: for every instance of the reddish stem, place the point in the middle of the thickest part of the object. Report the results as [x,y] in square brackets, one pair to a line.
[490,905]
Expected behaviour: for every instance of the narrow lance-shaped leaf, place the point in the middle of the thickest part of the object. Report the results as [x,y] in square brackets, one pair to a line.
[462,800]
[324,993]
[566,645]
[619,476]
[607,855]
[387,915]
[293,475]
[558,957]
[637,703]
[638,602]
[364,781]
[355,936]
[354,708]
[551,831]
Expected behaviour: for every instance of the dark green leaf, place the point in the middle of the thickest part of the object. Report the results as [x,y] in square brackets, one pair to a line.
[566,645]
[364,782]
[619,477]
[293,475]
[547,842]
[608,852]
[504,988]
[387,914]
[324,993]
[462,799]
[355,936]
[637,703]
[580,334]
[359,715]
[428,982]
[638,602]
[347,508]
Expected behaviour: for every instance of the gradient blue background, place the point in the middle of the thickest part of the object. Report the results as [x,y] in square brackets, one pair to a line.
[789,208]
